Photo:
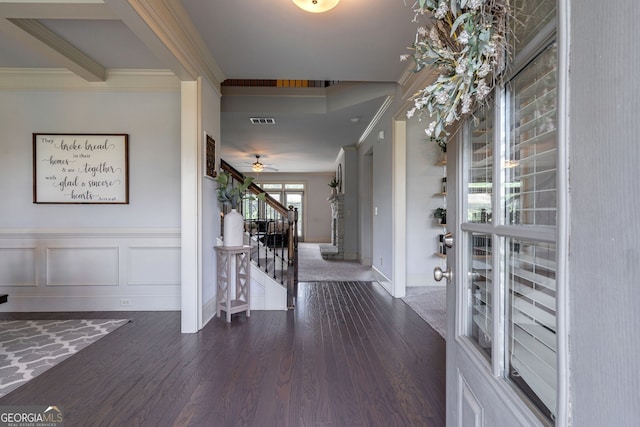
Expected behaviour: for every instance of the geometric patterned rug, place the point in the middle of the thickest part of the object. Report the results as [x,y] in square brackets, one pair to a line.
[30,347]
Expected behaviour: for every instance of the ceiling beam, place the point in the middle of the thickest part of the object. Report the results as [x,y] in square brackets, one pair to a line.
[166,29]
[39,37]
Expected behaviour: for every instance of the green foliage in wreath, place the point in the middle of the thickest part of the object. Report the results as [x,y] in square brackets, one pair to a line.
[466,41]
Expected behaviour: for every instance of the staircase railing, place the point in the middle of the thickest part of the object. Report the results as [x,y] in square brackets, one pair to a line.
[272,231]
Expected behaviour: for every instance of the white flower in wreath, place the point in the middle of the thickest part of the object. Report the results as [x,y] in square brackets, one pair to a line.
[430,129]
[463,37]
[451,117]
[482,90]
[466,103]
[461,68]
[435,38]
[441,97]
[484,70]
[442,10]
[475,4]
[489,49]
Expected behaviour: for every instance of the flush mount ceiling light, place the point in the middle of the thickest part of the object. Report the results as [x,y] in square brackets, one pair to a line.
[316,6]
[257,166]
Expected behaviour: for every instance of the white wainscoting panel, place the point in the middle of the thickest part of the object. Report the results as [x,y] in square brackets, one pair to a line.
[90,269]
[18,266]
[82,266]
[154,266]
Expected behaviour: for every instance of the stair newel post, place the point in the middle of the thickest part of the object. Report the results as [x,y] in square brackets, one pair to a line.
[283,243]
[274,249]
[292,262]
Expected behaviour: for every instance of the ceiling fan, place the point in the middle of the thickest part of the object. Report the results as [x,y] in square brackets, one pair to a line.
[257,166]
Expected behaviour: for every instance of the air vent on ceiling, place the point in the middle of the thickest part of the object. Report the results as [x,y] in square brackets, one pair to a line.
[263,121]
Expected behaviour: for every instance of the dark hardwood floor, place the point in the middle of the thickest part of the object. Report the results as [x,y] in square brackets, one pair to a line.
[348,355]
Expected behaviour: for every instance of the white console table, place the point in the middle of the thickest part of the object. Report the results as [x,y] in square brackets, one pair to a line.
[233,264]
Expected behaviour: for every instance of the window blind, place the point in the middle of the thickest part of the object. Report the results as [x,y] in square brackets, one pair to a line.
[532,201]
[533,348]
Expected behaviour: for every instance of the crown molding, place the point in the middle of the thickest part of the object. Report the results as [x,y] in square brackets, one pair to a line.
[165,27]
[376,118]
[57,79]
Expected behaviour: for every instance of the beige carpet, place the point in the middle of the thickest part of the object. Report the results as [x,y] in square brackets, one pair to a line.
[430,303]
[312,268]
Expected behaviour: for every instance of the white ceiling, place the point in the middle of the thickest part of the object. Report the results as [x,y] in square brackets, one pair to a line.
[357,41]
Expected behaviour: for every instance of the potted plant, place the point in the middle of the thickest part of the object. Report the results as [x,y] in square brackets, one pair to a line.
[334,185]
[441,214]
[232,194]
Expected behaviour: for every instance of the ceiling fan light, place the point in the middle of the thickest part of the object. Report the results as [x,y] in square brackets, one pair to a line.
[316,6]
[257,166]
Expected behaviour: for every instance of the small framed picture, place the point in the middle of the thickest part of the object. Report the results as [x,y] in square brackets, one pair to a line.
[210,157]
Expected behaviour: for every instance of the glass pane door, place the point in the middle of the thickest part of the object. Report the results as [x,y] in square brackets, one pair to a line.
[295,198]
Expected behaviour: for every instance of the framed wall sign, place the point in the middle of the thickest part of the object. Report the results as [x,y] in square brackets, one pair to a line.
[210,157]
[80,168]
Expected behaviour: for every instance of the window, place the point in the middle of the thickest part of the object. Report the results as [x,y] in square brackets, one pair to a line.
[530,201]
[532,344]
[289,194]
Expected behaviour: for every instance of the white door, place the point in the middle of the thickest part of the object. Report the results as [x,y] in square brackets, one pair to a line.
[502,340]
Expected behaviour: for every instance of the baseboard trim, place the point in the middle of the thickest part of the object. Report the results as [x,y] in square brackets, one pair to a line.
[386,283]
[208,311]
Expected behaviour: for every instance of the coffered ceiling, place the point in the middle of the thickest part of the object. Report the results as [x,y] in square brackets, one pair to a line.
[357,43]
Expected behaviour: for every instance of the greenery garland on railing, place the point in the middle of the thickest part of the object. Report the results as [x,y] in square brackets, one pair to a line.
[466,41]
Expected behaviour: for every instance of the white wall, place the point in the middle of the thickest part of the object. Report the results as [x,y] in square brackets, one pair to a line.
[210,209]
[92,257]
[424,179]
[379,217]
[380,232]
[365,203]
[348,158]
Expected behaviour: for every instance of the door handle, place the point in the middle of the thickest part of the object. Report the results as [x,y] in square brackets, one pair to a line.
[438,274]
